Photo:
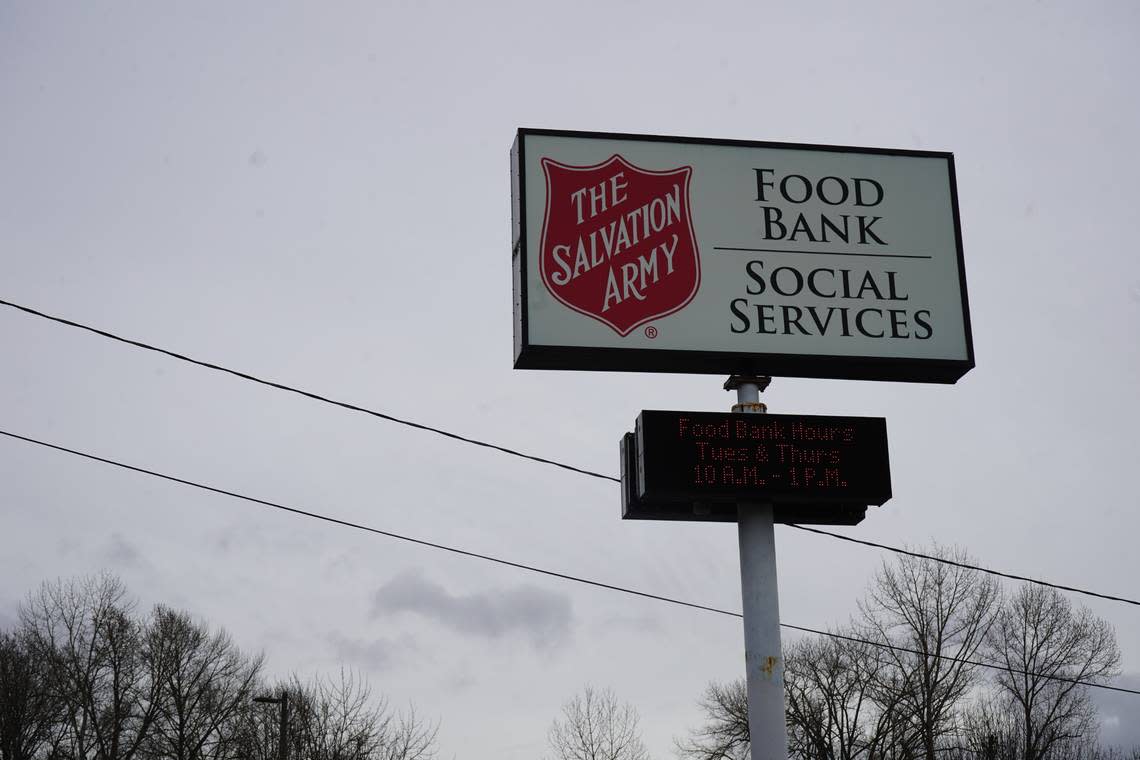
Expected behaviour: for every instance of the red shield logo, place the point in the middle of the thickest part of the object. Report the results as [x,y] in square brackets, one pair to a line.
[618,242]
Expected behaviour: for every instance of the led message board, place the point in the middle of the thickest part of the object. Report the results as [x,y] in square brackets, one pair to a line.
[668,254]
[699,465]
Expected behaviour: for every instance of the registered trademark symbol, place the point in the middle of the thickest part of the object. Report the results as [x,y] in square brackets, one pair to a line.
[651,332]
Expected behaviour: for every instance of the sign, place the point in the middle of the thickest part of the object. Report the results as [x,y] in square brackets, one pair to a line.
[799,463]
[668,254]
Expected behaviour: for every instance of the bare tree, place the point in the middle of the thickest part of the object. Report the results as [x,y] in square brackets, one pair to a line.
[595,726]
[408,738]
[207,682]
[836,706]
[1039,638]
[100,663]
[27,711]
[903,685]
[86,679]
[336,719]
[725,734]
[989,732]
[993,731]
[339,719]
[257,731]
[940,613]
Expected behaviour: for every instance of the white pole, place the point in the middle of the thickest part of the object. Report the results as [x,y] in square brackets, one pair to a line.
[763,658]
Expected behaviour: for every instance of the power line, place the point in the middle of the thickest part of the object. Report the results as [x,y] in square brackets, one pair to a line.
[356,526]
[309,394]
[510,451]
[532,568]
[977,663]
[965,565]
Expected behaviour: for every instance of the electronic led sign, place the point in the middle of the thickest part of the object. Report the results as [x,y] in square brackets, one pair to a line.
[700,465]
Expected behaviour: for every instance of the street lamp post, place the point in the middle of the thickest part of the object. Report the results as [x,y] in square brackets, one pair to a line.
[283,736]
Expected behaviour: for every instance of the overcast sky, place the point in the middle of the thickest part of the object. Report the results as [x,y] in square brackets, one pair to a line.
[318,193]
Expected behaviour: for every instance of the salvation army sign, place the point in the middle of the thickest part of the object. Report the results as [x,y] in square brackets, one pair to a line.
[672,254]
[617,241]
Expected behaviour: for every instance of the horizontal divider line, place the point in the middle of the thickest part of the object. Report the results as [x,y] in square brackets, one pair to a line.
[822,253]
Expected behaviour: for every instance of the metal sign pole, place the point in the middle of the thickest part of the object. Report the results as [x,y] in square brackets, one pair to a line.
[764,662]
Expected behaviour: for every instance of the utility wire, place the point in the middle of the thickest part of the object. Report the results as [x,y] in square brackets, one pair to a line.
[357,526]
[977,663]
[308,394]
[532,568]
[513,452]
[965,565]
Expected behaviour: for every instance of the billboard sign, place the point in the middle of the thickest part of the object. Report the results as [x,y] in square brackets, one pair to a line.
[666,254]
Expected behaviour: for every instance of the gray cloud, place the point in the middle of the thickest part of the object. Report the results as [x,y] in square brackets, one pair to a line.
[122,553]
[543,616]
[222,544]
[376,655]
[1118,713]
[462,680]
[640,622]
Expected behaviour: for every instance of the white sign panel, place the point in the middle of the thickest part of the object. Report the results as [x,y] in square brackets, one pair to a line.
[668,254]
